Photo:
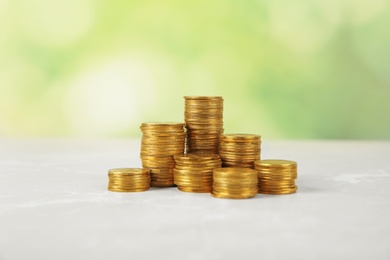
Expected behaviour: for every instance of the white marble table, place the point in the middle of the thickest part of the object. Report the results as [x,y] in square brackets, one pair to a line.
[54,204]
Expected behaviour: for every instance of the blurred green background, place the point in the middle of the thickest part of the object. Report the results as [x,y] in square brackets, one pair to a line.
[299,69]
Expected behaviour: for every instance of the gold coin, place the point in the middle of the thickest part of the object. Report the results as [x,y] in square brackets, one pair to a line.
[158,158]
[190,183]
[162,184]
[276,163]
[240,150]
[234,150]
[128,179]
[221,195]
[279,192]
[276,176]
[239,157]
[234,172]
[192,178]
[238,165]
[195,170]
[241,136]
[204,97]
[236,183]
[198,165]
[203,118]
[128,171]
[197,157]
[117,189]
[162,124]
[203,189]
[184,169]
[163,141]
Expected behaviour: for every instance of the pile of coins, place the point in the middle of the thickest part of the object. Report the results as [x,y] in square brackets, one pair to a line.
[197,157]
[128,179]
[194,172]
[240,150]
[277,176]
[160,142]
[234,183]
[203,117]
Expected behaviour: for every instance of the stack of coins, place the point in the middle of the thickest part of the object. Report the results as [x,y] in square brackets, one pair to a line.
[277,176]
[234,183]
[204,122]
[240,150]
[194,172]
[128,179]
[160,142]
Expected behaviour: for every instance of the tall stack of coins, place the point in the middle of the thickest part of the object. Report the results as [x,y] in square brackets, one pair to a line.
[240,150]
[128,179]
[160,142]
[194,172]
[234,183]
[277,176]
[204,122]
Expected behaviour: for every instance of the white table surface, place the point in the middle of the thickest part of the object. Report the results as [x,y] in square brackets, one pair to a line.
[54,204]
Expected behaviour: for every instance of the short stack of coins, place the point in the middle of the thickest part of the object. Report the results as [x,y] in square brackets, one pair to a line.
[160,142]
[240,150]
[203,116]
[277,176]
[194,172]
[128,179]
[234,183]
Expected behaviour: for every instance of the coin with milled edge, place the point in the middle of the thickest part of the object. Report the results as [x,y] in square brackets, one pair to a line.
[234,183]
[203,117]
[128,179]
[160,142]
[240,150]
[193,172]
[277,176]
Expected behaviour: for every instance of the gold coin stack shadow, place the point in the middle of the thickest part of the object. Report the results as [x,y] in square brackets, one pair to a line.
[277,176]
[160,142]
[240,150]
[128,179]
[203,118]
[194,172]
[197,157]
